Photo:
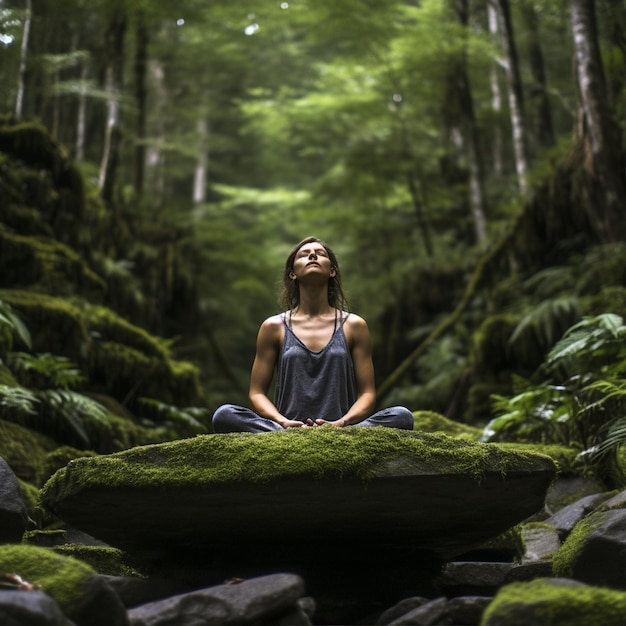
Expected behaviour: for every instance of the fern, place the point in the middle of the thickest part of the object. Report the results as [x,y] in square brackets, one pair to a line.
[546,321]
[11,321]
[75,418]
[16,402]
[188,418]
[45,370]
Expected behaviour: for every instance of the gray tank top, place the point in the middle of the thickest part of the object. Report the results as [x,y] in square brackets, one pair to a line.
[315,384]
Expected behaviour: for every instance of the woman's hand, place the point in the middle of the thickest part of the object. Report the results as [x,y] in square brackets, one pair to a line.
[292,424]
[340,423]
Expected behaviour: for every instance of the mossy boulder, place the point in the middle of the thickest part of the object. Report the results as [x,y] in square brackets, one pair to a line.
[595,550]
[555,602]
[432,422]
[301,492]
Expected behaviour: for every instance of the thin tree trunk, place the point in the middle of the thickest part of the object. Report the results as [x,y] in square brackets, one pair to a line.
[202,161]
[544,127]
[141,64]
[516,100]
[81,123]
[110,157]
[496,93]
[155,159]
[19,101]
[599,126]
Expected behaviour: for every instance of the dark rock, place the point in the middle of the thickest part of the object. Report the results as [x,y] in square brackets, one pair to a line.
[568,489]
[528,571]
[472,578]
[99,605]
[540,543]
[565,519]
[13,516]
[254,601]
[467,610]
[617,501]
[401,608]
[135,591]
[428,614]
[30,608]
[600,557]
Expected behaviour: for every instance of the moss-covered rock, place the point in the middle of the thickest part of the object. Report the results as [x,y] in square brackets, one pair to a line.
[62,577]
[114,354]
[419,491]
[103,559]
[595,550]
[431,422]
[25,451]
[555,602]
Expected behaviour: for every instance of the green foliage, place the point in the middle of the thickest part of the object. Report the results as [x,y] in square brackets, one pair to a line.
[584,404]
[17,402]
[44,371]
[186,421]
[11,324]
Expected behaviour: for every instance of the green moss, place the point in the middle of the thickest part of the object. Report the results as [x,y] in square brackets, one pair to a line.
[320,453]
[47,265]
[431,422]
[555,605]
[103,559]
[25,451]
[112,352]
[61,577]
[565,559]
[564,457]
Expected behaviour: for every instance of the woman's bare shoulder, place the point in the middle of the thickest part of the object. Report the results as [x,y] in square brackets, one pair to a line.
[272,327]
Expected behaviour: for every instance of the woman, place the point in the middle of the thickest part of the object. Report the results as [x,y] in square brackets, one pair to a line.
[320,352]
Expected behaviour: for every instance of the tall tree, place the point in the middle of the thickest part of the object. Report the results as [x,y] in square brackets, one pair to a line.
[469,130]
[114,49]
[515,93]
[539,87]
[599,126]
[19,101]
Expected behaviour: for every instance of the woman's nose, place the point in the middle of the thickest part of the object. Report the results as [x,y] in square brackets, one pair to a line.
[312,255]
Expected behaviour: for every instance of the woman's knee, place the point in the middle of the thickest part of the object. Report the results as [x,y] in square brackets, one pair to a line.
[404,418]
[223,417]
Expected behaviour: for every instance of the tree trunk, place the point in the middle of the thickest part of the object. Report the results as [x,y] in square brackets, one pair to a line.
[603,134]
[516,100]
[469,132]
[496,94]
[202,161]
[539,94]
[114,39]
[19,101]
[81,123]
[141,65]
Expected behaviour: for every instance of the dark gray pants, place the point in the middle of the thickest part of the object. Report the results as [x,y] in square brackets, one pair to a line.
[231,418]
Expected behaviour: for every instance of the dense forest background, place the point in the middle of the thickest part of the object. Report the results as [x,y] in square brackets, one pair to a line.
[464,160]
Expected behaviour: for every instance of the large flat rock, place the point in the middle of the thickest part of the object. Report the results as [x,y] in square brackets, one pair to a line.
[299,493]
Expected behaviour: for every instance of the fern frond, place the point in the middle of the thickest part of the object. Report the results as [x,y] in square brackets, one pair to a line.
[15,401]
[188,417]
[546,321]
[10,318]
[46,370]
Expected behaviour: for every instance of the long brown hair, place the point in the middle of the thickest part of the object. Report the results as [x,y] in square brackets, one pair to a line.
[290,295]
